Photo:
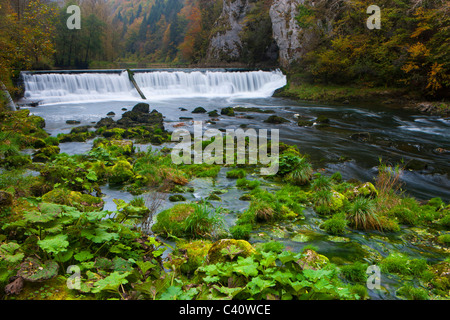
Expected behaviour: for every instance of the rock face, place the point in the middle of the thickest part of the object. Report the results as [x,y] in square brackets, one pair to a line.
[226,44]
[286,30]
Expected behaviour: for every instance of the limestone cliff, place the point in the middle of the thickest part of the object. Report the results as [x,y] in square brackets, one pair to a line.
[286,30]
[225,43]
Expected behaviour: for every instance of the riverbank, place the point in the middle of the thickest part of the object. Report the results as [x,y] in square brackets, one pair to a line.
[345,94]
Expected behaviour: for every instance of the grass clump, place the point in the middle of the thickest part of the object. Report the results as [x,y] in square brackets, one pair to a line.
[236,174]
[190,220]
[247,184]
[362,214]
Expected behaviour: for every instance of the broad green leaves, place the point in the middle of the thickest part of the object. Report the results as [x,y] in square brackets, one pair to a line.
[54,244]
[10,252]
[111,282]
[271,275]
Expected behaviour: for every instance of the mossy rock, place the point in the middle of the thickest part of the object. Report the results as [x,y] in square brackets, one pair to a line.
[213,197]
[40,157]
[367,190]
[120,173]
[213,113]
[312,260]
[335,204]
[45,154]
[195,253]
[252,109]
[228,111]
[17,161]
[115,133]
[172,220]
[80,129]
[215,253]
[305,123]
[38,143]
[177,197]
[322,119]
[119,147]
[199,110]
[83,202]
[276,120]
[105,122]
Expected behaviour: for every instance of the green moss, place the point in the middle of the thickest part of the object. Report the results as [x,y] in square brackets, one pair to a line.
[335,225]
[247,184]
[115,148]
[412,293]
[213,197]
[202,170]
[195,253]
[172,221]
[83,202]
[444,238]
[228,111]
[241,231]
[15,161]
[190,220]
[276,120]
[236,174]
[388,225]
[215,253]
[327,201]
[120,173]
[355,272]
[177,197]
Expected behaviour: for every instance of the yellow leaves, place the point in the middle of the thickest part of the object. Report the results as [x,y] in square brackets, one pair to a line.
[419,30]
[436,77]
[418,50]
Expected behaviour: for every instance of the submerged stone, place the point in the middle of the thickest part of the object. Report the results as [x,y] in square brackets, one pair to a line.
[276,120]
[199,110]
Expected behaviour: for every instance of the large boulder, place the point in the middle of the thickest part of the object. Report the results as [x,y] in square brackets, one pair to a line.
[141,108]
[105,122]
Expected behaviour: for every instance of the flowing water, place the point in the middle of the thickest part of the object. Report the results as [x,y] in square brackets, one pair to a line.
[393,134]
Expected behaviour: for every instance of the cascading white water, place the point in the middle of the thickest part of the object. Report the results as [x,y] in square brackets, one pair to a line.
[67,87]
[210,83]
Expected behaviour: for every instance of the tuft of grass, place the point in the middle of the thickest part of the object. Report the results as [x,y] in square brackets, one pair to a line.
[388,184]
[362,214]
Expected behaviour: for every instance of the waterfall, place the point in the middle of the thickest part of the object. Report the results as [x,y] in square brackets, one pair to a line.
[210,83]
[68,87]
[54,87]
